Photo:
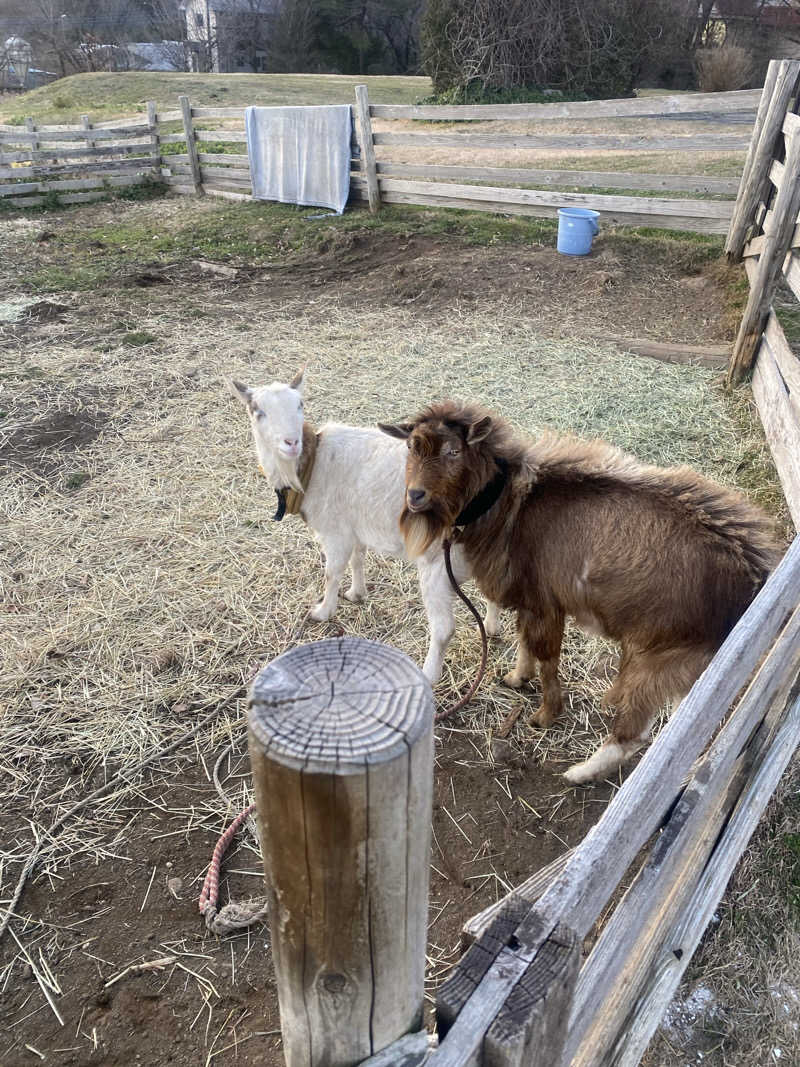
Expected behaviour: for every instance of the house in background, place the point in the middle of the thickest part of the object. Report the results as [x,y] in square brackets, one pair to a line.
[767,29]
[229,36]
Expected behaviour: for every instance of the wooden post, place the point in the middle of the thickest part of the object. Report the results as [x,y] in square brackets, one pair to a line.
[30,126]
[152,122]
[369,167]
[776,245]
[191,144]
[86,124]
[779,87]
[341,747]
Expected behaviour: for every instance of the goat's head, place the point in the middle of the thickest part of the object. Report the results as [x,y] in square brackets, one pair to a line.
[276,419]
[445,468]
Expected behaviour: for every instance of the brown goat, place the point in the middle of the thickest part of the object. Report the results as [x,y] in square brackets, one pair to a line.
[662,561]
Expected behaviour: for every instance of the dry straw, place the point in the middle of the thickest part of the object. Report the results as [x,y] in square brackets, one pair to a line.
[144,577]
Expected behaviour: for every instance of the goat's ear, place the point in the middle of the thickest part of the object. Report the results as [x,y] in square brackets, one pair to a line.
[478,430]
[241,392]
[397,429]
[297,382]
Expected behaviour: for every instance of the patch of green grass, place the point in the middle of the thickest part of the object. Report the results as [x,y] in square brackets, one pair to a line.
[107,96]
[138,338]
[256,233]
[77,479]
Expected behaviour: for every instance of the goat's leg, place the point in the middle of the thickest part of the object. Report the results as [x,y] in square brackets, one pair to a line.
[491,620]
[461,572]
[358,587]
[646,682]
[336,555]
[437,596]
[540,637]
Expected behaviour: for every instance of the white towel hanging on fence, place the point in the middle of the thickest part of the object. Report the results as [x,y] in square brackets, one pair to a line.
[300,155]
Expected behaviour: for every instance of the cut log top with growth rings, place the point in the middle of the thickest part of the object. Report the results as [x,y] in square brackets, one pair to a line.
[349,701]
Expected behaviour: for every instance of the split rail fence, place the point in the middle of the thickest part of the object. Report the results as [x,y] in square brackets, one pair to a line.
[78,163]
[522,994]
[206,153]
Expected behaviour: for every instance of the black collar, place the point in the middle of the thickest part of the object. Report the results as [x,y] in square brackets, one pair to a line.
[488,496]
[281,495]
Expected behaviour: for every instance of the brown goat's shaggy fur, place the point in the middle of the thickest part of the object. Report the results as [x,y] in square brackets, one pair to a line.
[662,561]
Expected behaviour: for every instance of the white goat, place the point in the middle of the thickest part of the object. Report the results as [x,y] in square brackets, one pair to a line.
[352,503]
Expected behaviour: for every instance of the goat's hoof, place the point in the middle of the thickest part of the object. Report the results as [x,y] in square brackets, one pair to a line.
[353,597]
[542,718]
[579,775]
[514,680]
[320,614]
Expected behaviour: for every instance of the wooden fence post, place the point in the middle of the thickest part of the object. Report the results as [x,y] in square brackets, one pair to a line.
[779,86]
[191,144]
[341,748]
[86,124]
[776,244]
[152,122]
[370,169]
[30,126]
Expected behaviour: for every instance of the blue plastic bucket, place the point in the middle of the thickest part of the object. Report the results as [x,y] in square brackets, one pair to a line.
[576,228]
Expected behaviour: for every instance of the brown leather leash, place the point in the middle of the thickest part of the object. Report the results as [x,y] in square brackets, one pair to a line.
[447,712]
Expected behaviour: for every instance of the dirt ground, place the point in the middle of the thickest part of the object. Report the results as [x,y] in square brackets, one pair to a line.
[143,581]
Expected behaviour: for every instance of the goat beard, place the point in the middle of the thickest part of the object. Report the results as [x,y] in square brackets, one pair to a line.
[282,473]
[420,529]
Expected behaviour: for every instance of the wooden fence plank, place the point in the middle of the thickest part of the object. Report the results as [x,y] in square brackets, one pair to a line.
[528,891]
[218,112]
[576,142]
[217,157]
[687,931]
[169,116]
[600,179]
[781,426]
[97,182]
[66,136]
[791,265]
[703,209]
[621,959]
[67,198]
[778,239]
[74,153]
[685,104]
[617,218]
[782,77]
[172,138]
[39,171]
[226,136]
[787,361]
[226,174]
